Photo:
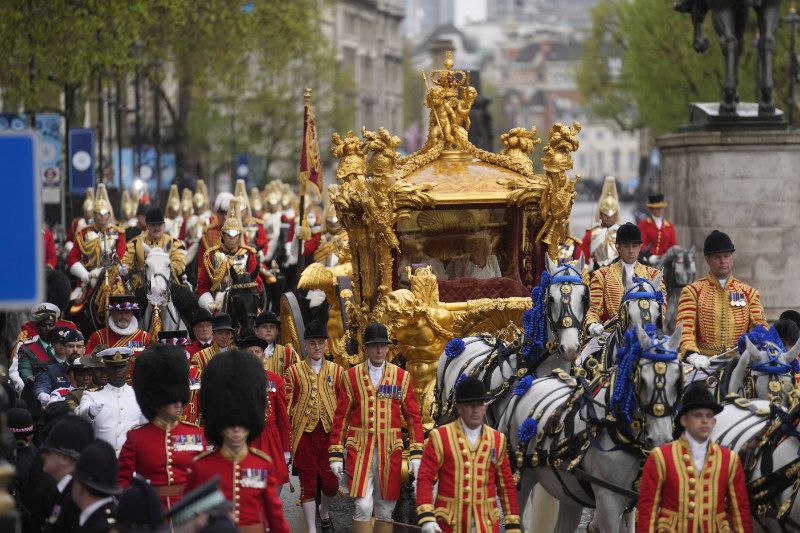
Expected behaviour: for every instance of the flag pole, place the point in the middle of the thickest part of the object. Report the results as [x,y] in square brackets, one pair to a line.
[303,178]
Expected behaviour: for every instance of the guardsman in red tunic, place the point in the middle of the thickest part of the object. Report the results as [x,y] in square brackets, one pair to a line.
[162,450]
[276,439]
[97,245]
[716,310]
[123,328]
[598,245]
[232,404]
[693,484]
[374,400]
[607,286]
[276,357]
[78,223]
[311,387]
[470,461]
[201,329]
[657,232]
[214,270]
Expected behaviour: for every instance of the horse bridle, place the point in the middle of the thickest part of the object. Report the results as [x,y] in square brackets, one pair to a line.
[239,286]
[772,369]
[566,318]
[659,405]
[168,292]
[637,293]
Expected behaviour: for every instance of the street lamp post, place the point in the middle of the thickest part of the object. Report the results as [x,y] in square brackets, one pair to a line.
[792,19]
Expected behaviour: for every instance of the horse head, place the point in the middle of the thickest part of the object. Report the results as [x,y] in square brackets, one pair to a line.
[648,384]
[765,370]
[243,302]
[682,265]
[568,299]
[158,274]
[641,303]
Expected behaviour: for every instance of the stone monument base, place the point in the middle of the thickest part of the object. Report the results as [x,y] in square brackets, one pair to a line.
[748,185]
[706,117]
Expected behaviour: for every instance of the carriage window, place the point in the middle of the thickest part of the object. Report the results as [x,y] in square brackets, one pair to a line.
[456,243]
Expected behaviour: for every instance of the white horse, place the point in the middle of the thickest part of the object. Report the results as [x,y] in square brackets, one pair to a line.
[584,442]
[158,280]
[552,339]
[679,267]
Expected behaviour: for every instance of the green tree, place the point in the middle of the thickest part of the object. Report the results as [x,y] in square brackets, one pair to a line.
[639,68]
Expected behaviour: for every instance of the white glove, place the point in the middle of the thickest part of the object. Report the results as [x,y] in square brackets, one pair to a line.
[287,457]
[431,527]
[698,361]
[123,269]
[94,410]
[596,329]
[413,466]
[337,467]
[94,274]
[79,271]
[653,260]
[44,399]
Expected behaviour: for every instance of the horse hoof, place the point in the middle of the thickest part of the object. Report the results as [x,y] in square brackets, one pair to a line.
[701,45]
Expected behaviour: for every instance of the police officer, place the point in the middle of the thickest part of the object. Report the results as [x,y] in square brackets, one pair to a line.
[94,486]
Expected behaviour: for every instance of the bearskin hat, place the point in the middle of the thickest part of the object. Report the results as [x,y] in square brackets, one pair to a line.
[160,377]
[233,393]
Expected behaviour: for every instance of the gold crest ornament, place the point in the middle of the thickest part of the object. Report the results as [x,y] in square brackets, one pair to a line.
[127,206]
[88,203]
[609,200]
[200,198]
[173,202]
[255,201]
[102,205]
[233,222]
[186,202]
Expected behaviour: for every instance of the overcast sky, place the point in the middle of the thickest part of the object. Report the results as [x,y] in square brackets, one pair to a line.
[470,10]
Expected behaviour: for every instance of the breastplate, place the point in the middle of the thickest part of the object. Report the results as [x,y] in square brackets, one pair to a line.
[106,246]
[238,261]
[606,251]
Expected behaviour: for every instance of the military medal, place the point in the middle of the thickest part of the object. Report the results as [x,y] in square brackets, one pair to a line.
[187,443]
[254,478]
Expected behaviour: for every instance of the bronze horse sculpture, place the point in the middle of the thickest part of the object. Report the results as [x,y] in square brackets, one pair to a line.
[730,19]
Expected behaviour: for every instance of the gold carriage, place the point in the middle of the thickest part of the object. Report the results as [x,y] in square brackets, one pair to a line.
[446,242]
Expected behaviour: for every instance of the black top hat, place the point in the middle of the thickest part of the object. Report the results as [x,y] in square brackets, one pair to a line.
[139,509]
[160,377]
[268,317]
[122,302]
[248,342]
[57,334]
[791,314]
[316,330]
[656,200]
[175,338]
[376,333]
[207,498]
[201,315]
[154,215]
[788,331]
[717,242]
[233,394]
[629,232]
[471,389]
[221,322]
[69,436]
[97,468]
[73,335]
[19,421]
[696,396]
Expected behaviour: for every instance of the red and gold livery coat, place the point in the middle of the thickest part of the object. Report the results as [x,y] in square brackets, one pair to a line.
[470,480]
[214,265]
[247,483]
[282,358]
[195,346]
[606,291]
[91,245]
[673,496]
[368,417]
[161,453]
[312,397]
[710,321]
[137,341]
[275,439]
[660,239]
[191,413]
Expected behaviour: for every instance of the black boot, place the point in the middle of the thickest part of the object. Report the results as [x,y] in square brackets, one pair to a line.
[327,525]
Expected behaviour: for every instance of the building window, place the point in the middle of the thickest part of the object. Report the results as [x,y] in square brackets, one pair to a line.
[615,157]
[601,163]
[633,158]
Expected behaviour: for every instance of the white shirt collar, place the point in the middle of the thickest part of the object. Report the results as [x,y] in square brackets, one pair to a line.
[659,221]
[61,485]
[375,372]
[269,350]
[699,451]
[722,282]
[472,434]
[86,513]
[316,366]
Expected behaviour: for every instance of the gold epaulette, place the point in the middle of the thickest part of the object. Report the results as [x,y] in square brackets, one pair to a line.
[260,453]
[23,336]
[248,248]
[203,454]
[190,424]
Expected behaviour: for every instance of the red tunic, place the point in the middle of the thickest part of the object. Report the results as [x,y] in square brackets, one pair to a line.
[246,482]
[660,239]
[83,251]
[245,254]
[470,480]
[191,413]
[367,418]
[673,497]
[195,346]
[137,341]
[310,246]
[50,256]
[585,247]
[162,455]
[275,439]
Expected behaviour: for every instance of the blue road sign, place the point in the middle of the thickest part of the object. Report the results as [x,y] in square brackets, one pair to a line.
[81,160]
[22,269]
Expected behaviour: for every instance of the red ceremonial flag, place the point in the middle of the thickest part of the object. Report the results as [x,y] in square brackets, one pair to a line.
[310,166]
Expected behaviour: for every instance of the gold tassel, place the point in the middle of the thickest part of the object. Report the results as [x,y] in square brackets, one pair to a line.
[155,327]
